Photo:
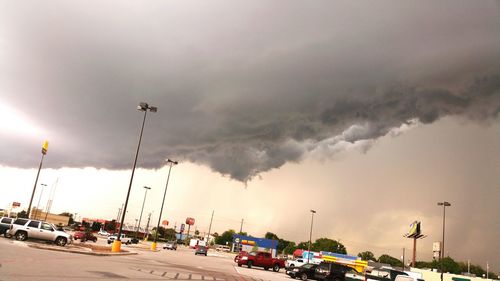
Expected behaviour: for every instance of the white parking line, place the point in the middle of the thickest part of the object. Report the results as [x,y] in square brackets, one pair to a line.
[235,268]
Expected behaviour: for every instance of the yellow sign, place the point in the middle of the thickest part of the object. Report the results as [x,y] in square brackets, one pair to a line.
[45,147]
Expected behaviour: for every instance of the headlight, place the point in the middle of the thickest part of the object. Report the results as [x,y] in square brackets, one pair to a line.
[244,258]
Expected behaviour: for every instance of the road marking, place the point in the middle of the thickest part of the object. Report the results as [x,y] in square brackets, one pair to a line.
[235,268]
[164,273]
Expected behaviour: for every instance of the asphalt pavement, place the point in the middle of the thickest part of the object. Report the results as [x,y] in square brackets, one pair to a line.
[18,261]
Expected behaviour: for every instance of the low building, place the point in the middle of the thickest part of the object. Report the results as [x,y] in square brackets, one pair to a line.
[249,244]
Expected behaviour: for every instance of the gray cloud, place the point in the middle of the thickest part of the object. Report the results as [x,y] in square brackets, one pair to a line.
[240,87]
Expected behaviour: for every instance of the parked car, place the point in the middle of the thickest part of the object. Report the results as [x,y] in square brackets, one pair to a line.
[239,255]
[125,240]
[103,233]
[5,224]
[223,248]
[329,271]
[201,250]
[302,272]
[261,259]
[171,245]
[23,229]
[84,236]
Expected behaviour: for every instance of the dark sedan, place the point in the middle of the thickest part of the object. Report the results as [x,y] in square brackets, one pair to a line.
[303,272]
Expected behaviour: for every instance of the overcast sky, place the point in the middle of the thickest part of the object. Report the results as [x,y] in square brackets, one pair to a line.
[369,112]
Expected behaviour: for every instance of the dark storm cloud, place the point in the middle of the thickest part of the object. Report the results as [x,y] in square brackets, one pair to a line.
[240,87]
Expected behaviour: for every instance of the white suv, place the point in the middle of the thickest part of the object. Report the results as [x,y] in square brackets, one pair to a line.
[22,229]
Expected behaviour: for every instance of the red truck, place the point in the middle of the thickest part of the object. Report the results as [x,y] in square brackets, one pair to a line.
[260,259]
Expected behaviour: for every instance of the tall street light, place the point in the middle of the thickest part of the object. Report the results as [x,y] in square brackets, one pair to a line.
[37,212]
[310,235]
[140,218]
[45,147]
[141,107]
[170,163]
[444,204]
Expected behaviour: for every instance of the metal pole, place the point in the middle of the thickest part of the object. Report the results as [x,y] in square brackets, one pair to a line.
[146,231]
[140,218]
[414,260]
[34,186]
[210,227]
[241,226]
[310,236]
[442,246]
[162,203]
[124,212]
[38,204]
[404,259]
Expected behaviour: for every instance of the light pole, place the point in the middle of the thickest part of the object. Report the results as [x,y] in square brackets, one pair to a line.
[140,218]
[310,235]
[38,204]
[142,107]
[45,146]
[444,204]
[170,163]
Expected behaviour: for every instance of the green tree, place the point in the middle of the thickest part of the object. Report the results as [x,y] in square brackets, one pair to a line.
[303,245]
[96,226]
[226,236]
[390,260]
[70,215]
[367,256]
[22,214]
[110,226]
[329,245]
[290,248]
[169,234]
[270,235]
[451,266]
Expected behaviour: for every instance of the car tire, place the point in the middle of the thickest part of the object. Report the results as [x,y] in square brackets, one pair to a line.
[266,268]
[303,277]
[239,264]
[21,236]
[61,241]
[249,264]
[292,266]
[276,268]
[205,255]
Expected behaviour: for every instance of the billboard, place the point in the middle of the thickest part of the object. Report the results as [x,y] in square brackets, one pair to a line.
[16,204]
[415,231]
[164,222]
[189,221]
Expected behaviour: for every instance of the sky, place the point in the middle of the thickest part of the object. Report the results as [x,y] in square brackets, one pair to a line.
[368,112]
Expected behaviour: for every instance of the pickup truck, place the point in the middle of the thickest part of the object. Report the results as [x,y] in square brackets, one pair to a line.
[384,274]
[125,240]
[260,259]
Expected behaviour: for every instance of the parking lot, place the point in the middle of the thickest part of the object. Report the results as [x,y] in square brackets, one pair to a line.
[19,261]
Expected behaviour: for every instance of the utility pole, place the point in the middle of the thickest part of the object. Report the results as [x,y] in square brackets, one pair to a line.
[403,259]
[241,226]
[147,227]
[210,228]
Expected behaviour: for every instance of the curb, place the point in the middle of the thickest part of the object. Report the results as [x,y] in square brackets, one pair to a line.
[83,253]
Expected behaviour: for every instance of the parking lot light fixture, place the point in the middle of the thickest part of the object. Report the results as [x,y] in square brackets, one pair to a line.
[170,163]
[310,235]
[142,107]
[140,217]
[444,204]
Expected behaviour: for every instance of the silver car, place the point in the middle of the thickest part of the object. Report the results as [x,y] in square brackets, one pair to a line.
[22,229]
